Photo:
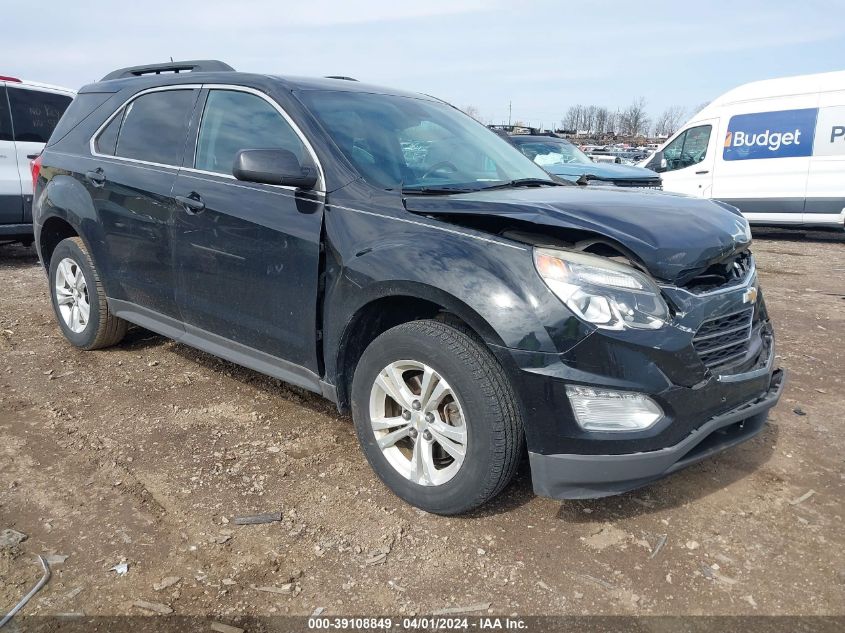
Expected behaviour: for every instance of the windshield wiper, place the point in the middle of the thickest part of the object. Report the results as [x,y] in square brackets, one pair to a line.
[523,182]
[436,191]
[585,179]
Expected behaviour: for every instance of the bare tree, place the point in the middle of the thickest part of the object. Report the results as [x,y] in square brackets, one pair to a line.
[473,111]
[635,121]
[602,120]
[574,118]
[669,120]
[700,107]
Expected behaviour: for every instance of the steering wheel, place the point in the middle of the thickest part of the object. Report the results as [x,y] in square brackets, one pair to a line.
[438,166]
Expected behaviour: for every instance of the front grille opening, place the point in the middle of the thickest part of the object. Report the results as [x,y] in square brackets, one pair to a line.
[725,273]
[725,339]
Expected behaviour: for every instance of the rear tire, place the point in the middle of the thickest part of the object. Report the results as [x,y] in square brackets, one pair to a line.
[469,441]
[79,300]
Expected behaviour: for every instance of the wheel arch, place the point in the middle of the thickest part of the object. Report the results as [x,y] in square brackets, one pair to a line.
[386,307]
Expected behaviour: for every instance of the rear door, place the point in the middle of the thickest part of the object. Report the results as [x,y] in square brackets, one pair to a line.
[136,156]
[35,113]
[686,164]
[248,261]
[11,205]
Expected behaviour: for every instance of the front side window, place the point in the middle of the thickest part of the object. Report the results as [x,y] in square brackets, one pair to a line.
[154,127]
[689,148]
[234,121]
[417,144]
[35,113]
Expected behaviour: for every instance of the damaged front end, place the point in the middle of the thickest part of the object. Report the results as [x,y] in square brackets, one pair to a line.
[679,360]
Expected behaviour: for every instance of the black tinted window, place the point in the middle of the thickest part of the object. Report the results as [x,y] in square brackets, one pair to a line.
[154,127]
[107,140]
[233,121]
[35,113]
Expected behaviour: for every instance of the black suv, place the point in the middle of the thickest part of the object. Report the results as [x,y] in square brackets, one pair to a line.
[391,253]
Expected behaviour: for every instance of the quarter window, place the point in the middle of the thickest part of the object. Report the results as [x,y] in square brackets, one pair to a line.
[154,127]
[35,113]
[107,141]
[233,121]
[690,148]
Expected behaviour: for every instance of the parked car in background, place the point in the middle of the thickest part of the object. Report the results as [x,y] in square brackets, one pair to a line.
[393,254]
[774,149]
[561,158]
[29,112]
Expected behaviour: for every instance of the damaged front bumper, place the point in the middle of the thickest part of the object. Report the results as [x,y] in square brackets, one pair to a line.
[567,476]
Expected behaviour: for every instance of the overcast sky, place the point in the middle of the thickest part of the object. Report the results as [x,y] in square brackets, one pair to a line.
[541,55]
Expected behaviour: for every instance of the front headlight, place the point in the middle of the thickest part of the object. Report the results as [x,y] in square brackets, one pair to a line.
[608,295]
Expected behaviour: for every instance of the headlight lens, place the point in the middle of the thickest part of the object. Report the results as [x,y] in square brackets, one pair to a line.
[608,295]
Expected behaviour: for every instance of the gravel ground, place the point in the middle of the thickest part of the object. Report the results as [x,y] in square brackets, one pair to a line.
[144,454]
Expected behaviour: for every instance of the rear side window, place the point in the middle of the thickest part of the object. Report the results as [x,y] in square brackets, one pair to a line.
[154,127]
[35,113]
[233,121]
[5,118]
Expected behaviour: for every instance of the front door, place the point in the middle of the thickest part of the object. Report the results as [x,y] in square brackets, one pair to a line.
[686,163]
[130,178]
[248,254]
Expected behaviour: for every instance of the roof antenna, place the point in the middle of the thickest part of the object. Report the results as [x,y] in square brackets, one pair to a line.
[171,59]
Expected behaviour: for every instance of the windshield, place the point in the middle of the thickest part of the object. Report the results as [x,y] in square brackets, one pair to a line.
[547,154]
[417,145]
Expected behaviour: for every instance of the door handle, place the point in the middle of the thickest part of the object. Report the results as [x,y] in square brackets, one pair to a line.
[96,177]
[701,173]
[192,203]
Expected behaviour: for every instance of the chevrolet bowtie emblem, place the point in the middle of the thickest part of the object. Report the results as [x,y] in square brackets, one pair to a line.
[750,295]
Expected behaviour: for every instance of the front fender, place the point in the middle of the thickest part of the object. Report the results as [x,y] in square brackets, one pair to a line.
[487,281]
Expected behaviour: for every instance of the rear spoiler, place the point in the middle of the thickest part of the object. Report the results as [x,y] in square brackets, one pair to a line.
[197,65]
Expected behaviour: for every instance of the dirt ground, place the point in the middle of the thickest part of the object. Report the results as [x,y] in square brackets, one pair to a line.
[144,453]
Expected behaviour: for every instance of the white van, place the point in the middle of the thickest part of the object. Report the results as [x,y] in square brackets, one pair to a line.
[775,149]
[28,113]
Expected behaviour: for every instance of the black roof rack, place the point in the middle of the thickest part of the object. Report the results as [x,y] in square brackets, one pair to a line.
[341,77]
[196,65]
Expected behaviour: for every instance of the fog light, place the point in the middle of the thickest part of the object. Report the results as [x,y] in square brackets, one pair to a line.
[608,410]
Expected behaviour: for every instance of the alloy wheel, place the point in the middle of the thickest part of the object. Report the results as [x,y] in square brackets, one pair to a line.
[71,291]
[418,422]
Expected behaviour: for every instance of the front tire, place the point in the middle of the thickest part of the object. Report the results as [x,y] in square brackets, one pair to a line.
[436,417]
[79,300]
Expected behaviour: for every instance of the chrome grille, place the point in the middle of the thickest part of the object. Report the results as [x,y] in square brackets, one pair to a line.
[724,339]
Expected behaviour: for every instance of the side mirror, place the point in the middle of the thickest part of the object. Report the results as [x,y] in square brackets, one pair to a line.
[657,162]
[273,167]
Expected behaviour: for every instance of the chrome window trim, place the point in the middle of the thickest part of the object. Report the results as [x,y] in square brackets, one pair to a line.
[321,185]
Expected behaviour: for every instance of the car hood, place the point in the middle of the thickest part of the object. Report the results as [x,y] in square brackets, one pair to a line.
[673,236]
[610,171]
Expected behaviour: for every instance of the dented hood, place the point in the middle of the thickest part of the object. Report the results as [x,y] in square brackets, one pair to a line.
[674,236]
